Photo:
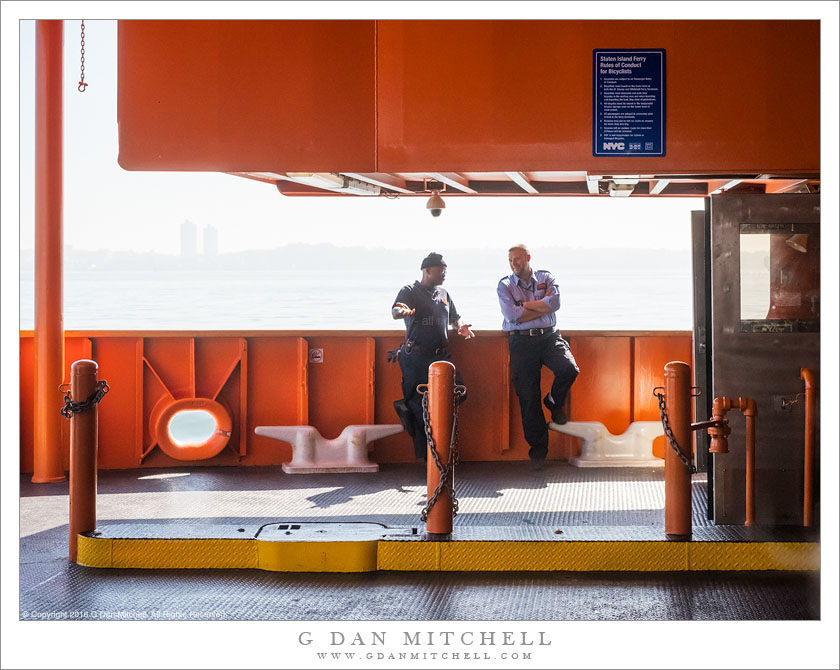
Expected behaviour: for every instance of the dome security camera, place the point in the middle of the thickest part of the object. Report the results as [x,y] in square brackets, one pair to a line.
[435,205]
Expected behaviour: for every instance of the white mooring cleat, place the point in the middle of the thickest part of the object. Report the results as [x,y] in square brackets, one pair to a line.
[601,449]
[312,453]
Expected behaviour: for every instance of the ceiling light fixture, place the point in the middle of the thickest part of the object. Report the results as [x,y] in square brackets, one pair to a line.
[333,182]
[622,186]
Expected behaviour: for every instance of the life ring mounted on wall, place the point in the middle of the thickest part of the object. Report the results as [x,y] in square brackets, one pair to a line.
[167,408]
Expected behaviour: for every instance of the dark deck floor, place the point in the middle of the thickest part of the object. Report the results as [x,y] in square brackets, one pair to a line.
[491,494]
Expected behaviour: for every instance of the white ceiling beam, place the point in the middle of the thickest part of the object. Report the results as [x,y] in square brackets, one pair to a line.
[454,180]
[383,180]
[784,185]
[522,181]
[660,186]
[730,184]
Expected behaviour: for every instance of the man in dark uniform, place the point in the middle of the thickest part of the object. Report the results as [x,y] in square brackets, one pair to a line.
[529,298]
[428,312]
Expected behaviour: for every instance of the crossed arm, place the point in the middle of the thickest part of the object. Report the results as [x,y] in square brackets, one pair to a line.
[528,310]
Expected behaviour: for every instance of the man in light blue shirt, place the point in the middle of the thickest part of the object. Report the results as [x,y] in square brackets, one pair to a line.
[529,298]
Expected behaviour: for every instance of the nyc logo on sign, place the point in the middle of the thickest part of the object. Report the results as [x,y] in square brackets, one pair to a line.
[613,146]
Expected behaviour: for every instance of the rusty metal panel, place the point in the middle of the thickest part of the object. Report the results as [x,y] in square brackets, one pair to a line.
[277,394]
[759,365]
[603,389]
[650,354]
[235,96]
[120,412]
[387,384]
[339,383]
[484,420]
[27,403]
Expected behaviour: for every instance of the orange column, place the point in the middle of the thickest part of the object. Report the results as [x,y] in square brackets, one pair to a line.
[441,413]
[83,444]
[677,475]
[49,323]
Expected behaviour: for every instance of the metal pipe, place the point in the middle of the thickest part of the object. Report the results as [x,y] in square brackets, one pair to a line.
[719,433]
[677,475]
[48,464]
[748,407]
[83,445]
[441,413]
[807,375]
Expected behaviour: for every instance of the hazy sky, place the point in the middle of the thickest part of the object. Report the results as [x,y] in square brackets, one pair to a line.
[108,207]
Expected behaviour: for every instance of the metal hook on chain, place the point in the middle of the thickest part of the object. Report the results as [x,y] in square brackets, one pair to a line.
[82,84]
[72,407]
[666,426]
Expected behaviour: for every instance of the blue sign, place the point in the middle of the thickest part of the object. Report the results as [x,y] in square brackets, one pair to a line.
[628,102]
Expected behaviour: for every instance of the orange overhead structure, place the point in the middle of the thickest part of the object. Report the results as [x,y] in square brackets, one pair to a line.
[480,106]
[233,95]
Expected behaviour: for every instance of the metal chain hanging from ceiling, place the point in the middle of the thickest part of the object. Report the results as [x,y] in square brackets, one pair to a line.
[82,84]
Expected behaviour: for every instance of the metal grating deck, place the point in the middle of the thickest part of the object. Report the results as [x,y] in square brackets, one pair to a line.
[502,498]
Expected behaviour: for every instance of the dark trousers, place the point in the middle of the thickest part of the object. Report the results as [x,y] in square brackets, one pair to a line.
[415,370]
[527,356]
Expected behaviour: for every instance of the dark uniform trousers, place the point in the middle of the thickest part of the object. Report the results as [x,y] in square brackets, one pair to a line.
[527,356]
[415,370]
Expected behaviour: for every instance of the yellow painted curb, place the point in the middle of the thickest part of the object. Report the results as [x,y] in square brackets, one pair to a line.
[162,553]
[627,556]
[317,556]
[472,556]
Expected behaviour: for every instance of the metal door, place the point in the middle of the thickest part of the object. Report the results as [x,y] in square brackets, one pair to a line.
[764,329]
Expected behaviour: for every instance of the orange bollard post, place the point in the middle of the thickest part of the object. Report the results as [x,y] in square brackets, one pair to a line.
[807,375]
[48,464]
[677,475]
[83,445]
[441,413]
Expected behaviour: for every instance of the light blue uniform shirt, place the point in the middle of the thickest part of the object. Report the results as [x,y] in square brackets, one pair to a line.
[513,292]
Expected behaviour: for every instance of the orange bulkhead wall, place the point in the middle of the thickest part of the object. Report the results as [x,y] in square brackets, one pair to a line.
[265,378]
[417,96]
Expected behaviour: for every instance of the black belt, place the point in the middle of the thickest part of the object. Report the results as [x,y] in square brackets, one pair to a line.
[533,331]
[411,346]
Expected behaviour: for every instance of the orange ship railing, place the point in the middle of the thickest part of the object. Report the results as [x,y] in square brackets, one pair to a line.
[269,378]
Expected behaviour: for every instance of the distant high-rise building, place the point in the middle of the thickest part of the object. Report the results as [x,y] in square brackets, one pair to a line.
[189,239]
[211,240]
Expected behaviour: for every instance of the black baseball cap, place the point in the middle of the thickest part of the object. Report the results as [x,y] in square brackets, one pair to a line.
[432,260]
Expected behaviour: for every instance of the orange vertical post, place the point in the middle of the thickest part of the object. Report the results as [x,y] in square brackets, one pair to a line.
[677,475]
[441,413]
[807,375]
[49,321]
[748,407]
[83,445]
